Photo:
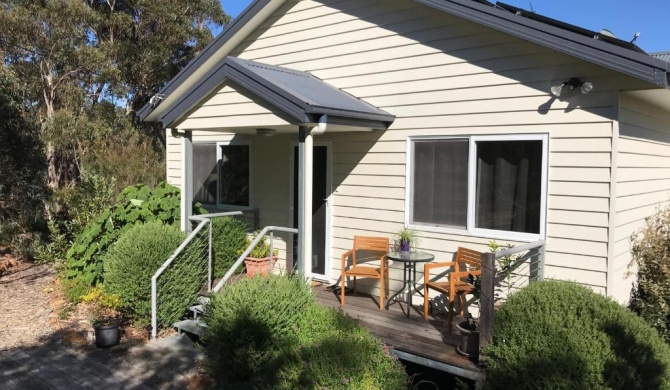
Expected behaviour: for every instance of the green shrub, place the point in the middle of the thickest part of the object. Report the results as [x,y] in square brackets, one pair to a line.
[136,204]
[651,255]
[75,289]
[228,239]
[132,261]
[269,333]
[251,325]
[336,353]
[559,335]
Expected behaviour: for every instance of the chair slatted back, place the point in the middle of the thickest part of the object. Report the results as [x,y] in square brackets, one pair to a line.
[472,259]
[373,244]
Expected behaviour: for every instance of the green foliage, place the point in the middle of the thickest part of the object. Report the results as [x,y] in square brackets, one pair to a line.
[559,335]
[132,261]
[336,353]
[99,297]
[651,256]
[250,326]
[267,332]
[229,238]
[136,204]
[74,289]
[23,179]
[409,235]
[261,250]
[55,250]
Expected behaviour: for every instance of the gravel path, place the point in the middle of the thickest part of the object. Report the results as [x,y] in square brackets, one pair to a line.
[34,356]
[24,306]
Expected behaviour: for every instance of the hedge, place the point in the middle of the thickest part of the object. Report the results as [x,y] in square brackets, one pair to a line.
[560,335]
[269,333]
[132,261]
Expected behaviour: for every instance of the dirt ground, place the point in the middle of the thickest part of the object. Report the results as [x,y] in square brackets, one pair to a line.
[25,308]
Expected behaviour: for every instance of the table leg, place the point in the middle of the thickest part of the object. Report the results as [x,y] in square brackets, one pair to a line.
[406,285]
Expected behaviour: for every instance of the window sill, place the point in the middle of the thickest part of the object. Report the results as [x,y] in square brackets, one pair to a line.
[478,233]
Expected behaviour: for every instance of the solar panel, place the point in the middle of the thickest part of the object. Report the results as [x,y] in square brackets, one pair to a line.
[568,27]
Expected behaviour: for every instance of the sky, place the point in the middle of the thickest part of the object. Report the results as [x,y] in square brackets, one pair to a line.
[624,18]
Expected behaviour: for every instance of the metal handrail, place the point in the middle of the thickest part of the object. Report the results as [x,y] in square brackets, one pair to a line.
[204,219]
[254,243]
[539,245]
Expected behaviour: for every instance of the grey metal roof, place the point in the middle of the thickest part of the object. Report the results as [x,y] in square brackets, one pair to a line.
[299,95]
[552,34]
[663,56]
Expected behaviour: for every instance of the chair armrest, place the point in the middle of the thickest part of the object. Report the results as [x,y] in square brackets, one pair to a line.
[344,259]
[461,274]
[430,266]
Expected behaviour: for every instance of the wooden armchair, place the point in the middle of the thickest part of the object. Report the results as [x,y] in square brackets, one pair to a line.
[456,283]
[370,244]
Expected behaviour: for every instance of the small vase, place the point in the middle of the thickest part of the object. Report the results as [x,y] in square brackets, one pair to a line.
[404,246]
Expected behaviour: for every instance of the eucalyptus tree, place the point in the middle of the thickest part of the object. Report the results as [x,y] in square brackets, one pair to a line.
[72,55]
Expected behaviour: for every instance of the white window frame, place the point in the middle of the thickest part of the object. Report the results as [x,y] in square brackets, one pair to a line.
[470,228]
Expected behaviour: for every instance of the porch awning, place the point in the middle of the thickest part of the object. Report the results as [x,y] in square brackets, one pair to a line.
[300,96]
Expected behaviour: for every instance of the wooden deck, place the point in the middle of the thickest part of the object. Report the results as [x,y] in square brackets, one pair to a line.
[427,342]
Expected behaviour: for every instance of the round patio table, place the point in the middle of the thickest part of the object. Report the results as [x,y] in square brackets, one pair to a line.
[409,260]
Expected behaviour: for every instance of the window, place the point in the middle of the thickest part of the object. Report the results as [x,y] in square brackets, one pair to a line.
[221,174]
[486,185]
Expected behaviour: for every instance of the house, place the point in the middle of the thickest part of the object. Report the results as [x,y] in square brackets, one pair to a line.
[466,120]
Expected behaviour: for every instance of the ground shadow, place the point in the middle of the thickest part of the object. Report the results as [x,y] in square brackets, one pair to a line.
[51,364]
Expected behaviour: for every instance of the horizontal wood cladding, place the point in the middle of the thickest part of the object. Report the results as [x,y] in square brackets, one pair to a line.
[643,180]
[440,76]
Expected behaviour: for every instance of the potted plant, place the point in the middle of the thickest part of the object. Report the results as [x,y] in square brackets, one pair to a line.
[407,239]
[469,327]
[103,310]
[259,261]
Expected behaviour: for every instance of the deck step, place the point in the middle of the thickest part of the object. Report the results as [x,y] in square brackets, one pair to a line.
[195,327]
[196,310]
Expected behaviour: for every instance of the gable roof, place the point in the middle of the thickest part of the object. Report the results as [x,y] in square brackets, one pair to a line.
[581,43]
[300,95]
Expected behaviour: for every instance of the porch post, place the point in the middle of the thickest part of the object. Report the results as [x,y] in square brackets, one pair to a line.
[186,180]
[305,151]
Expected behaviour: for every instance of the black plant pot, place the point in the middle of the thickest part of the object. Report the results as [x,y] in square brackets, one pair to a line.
[469,341]
[107,335]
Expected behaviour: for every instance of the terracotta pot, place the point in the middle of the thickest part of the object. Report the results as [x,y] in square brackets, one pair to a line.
[469,341]
[257,266]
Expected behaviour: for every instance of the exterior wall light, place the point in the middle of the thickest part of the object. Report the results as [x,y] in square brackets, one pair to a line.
[584,87]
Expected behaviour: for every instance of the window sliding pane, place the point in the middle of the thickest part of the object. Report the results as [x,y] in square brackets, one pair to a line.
[439,183]
[234,175]
[509,186]
[204,173]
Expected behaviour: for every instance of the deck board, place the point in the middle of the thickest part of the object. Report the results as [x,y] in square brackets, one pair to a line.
[429,339]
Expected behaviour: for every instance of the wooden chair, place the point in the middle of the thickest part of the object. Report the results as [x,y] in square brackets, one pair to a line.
[370,244]
[456,284]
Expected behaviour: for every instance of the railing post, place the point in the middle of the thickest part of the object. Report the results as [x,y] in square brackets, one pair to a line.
[272,247]
[541,253]
[486,299]
[154,307]
[209,264]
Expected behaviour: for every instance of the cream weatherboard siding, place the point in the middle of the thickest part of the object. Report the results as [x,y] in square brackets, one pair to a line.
[643,180]
[443,76]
